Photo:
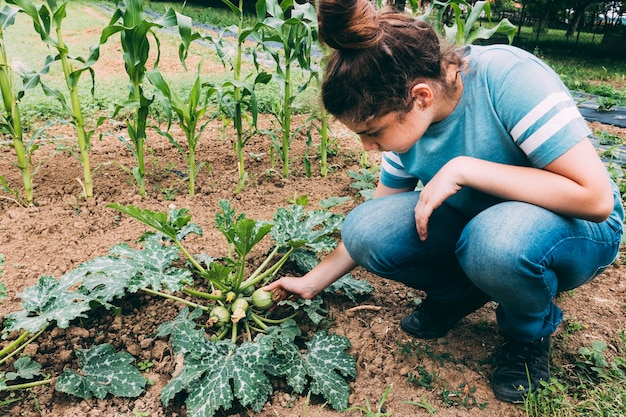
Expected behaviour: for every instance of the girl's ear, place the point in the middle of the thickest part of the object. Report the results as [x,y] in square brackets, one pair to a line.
[422,96]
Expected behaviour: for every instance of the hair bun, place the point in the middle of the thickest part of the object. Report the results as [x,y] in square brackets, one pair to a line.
[348,24]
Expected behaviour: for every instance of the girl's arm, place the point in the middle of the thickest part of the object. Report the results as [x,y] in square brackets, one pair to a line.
[576,184]
[383,190]
[335,265]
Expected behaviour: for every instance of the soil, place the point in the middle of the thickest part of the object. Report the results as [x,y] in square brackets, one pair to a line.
[64,229]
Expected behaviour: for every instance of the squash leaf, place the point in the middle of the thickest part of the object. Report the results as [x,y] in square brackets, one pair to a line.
[47,302]
[103,371]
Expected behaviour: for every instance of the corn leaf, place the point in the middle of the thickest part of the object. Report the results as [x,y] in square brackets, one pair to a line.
[103,371]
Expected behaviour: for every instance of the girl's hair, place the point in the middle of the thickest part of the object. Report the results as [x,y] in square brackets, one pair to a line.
[378,57]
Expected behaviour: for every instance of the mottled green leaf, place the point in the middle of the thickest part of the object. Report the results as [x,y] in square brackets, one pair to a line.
[103,371]
[328,363]
[44,303]
[325,366]
[350,287]
[25,368]
[215,373]
[296,228]
[128,270]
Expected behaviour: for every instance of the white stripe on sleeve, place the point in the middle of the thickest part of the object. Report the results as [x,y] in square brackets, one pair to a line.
[389,161]
[539,111]
[554,125]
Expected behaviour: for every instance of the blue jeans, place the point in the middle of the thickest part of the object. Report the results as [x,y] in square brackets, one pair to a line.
[519,254]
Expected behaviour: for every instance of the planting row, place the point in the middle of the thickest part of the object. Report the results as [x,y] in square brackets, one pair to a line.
[285,31]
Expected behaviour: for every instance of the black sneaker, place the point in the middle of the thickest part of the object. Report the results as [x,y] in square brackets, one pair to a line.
[432,319]
[523,366]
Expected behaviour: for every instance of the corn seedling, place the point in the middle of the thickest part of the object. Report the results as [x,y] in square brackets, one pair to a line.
[380,410]
[237,96]
[294,27]
[129,21]
[190,113]
[462,30]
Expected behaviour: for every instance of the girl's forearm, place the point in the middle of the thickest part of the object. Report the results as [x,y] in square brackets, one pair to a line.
[588,198]
[333,266]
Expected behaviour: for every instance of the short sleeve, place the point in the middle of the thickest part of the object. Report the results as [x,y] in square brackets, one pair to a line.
[537,109]
[393,174]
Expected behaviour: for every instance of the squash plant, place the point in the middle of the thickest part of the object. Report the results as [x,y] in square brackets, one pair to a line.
[231,342]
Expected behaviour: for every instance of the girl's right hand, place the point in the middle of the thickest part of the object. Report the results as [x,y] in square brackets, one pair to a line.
[298,286]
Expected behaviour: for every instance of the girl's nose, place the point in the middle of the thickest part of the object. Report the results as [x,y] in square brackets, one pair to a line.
[369,145]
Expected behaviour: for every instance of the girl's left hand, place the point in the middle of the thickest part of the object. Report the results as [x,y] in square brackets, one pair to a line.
[443,185]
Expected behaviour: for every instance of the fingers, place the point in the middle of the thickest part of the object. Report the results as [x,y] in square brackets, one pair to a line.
[422,216]
[272,286]
[280,292]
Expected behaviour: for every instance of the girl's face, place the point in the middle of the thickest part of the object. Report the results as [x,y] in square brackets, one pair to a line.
[391,132]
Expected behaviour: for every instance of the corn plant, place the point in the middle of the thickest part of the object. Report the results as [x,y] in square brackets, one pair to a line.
[11,122]
[237,95]
[190,113]
[129,21]
[48,17]
[462,31]
[294,27]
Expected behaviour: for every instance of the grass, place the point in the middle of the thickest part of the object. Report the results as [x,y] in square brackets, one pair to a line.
[596,386]
[588,383]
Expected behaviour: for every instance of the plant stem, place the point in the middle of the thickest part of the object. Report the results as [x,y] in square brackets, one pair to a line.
[238,122]
[233,335]
[324,143]
[140,131]
[286,124]
[173,297]
[14,122]
[260,269]
[276,321]
[255,278]
[18,345]
[191,259]
[222,334]
[202,294]
[26,385]
[79,122]
[258,321]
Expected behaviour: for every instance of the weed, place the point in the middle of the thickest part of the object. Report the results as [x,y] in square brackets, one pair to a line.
[416,348]
[422,403]
[380,410]
[463,396]
[364,181]
[423,378]
[145,365]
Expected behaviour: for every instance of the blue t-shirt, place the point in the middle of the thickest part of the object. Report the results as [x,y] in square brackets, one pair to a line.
[514,110]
